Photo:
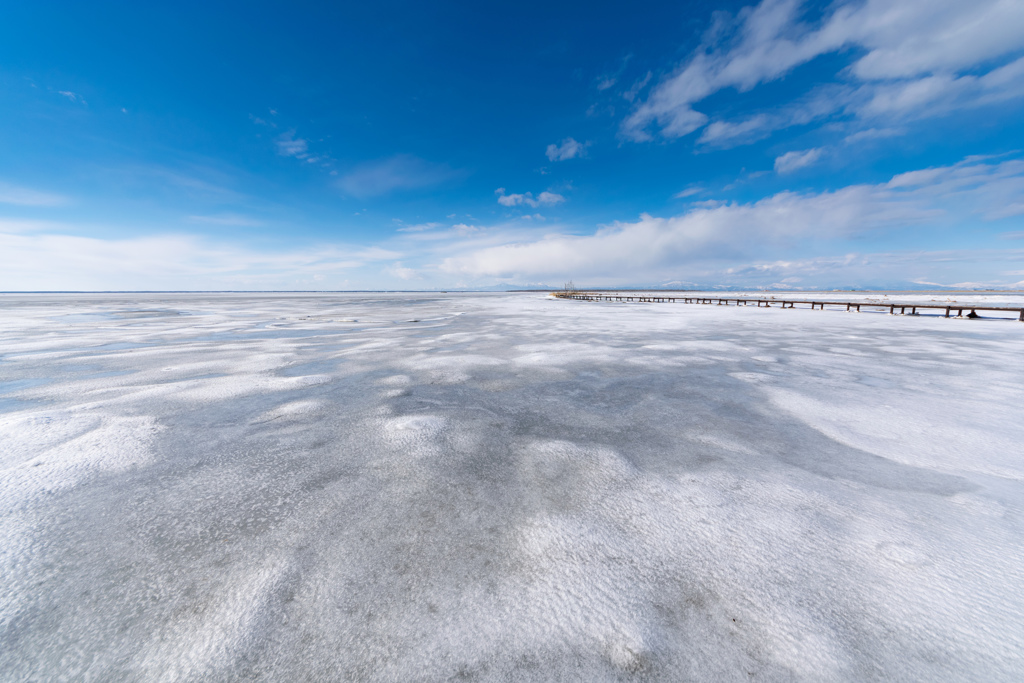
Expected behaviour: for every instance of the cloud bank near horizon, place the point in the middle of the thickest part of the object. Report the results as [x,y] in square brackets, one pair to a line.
[803,239]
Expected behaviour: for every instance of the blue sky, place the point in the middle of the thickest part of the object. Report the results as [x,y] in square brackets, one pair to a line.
[443,145]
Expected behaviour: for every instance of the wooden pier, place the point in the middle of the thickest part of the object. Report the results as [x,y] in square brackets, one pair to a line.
[892,308]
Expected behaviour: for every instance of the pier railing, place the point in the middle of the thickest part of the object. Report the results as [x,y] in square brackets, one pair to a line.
[892,307]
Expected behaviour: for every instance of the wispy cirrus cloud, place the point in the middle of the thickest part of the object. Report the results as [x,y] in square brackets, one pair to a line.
[724,133]
[688,192]
[227,219]
[73,96]
[443,234]
[869,134]
[290,146]
[912,59]
[793,161]
[19,225]
[400,172]
[608,80]
[24,196]
[418,227]
[204,182]
[631,94]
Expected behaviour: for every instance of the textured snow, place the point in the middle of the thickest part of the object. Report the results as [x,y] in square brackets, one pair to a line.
[506,487]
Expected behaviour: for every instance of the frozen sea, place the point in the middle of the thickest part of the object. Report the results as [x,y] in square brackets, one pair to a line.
[506,487]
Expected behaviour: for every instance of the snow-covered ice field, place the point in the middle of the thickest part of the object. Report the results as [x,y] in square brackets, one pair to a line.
[200,487]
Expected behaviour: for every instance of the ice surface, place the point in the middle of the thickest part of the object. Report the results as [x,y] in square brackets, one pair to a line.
[317,488]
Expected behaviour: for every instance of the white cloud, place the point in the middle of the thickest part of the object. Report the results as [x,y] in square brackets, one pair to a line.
[721,132]
[913,59]
[816,105]
[232,219]
[872,134]
[207,182]
[644,248]
[74,97]
[791,161]
[290,146]
[400,172]
[401,272]
[56,260]
[375,254]
[419,227]
[543,199]
[23,196]
[454,232]
[939,93]
[568,149]
[635,89]
[631,249]
[263,122]
[858,269]
[1008,211]
[994,190]
[608,80]
[912,38]
[549,198]
[977,285]
[712,242]
[60,261]
[15,225]
[688,192]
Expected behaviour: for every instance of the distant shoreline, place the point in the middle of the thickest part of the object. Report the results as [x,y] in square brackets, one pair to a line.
[766,292]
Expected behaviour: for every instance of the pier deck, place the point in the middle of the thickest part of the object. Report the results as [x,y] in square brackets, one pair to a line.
[893,308]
